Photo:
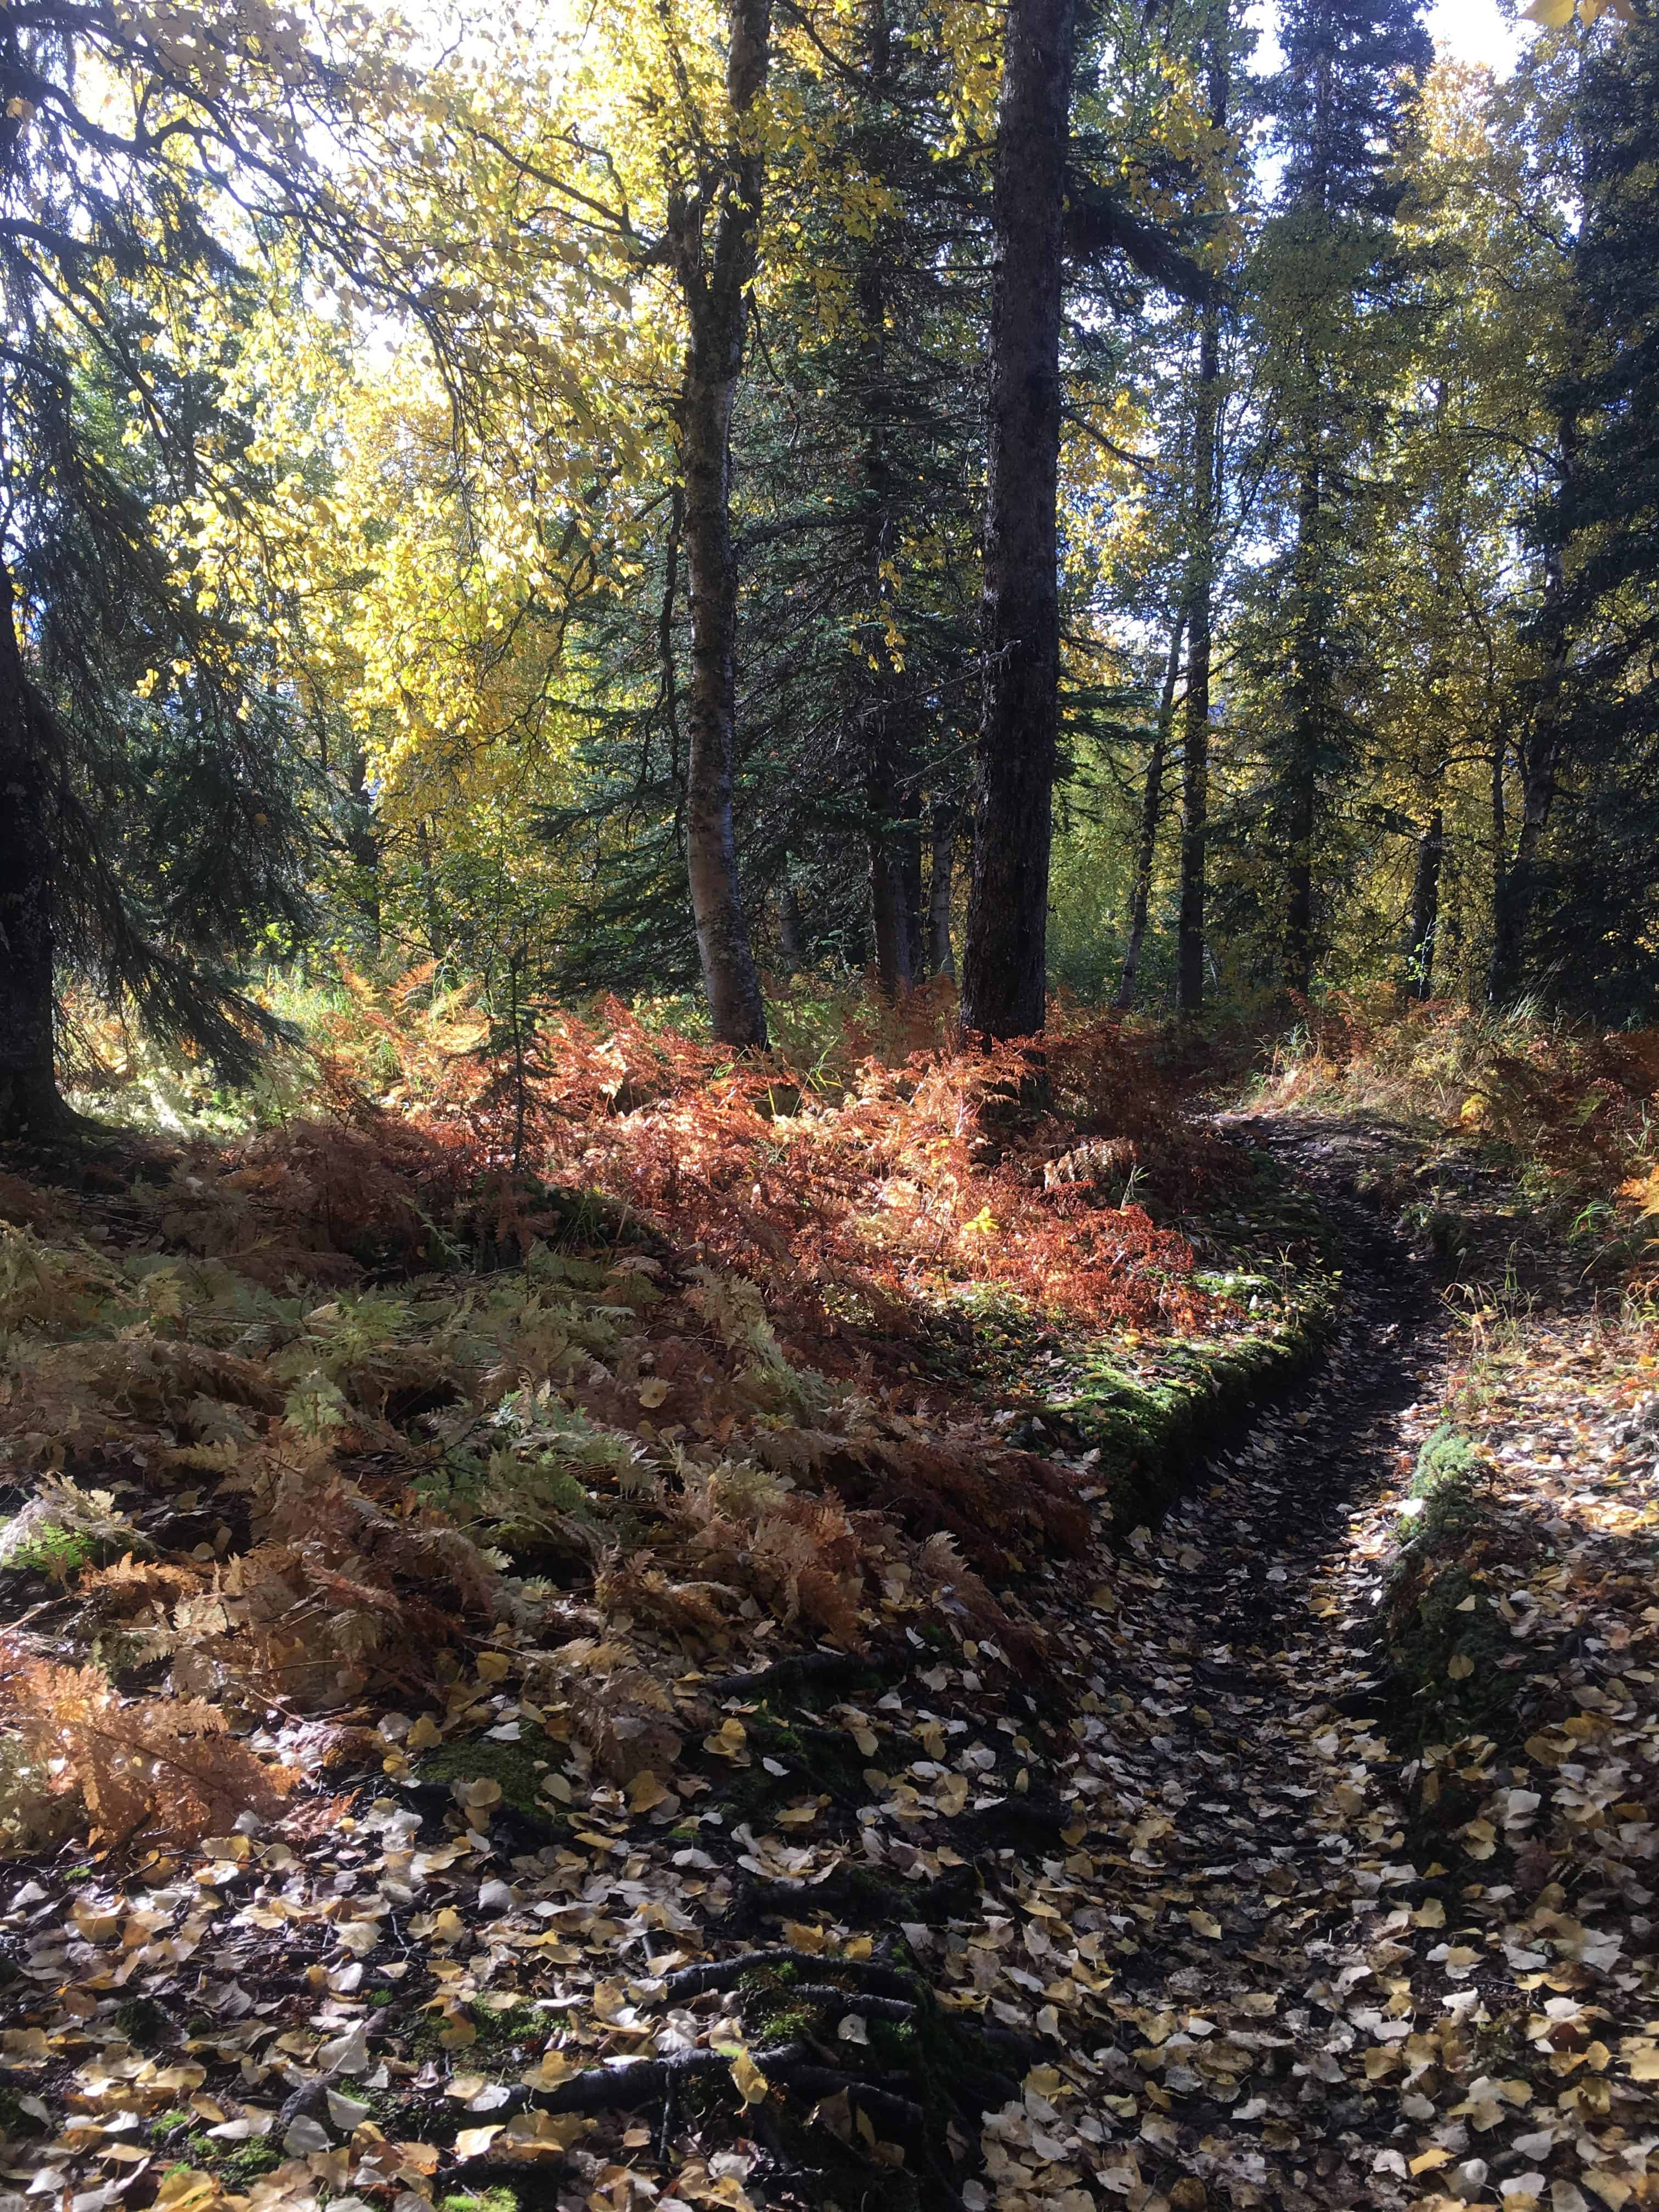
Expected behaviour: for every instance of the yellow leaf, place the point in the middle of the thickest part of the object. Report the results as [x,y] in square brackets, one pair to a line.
[473,2143]
[653,1391]
[1431,1913]
[1459,1667]
[1435,2155]
[493,1666]
[1612,2188]
[424,1734]
[1551,14]
[800,1937]
[1203,1924]
[646,1792]
[549,2069]
[752,2084]
[187,2189]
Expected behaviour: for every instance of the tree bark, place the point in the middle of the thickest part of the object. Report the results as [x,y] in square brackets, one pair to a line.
[1151,808]
[713,240]
[1299,798]
[30,1106]
[791,934]
[889,908]
[1541,749]
[1425,909]
[1005,958]
[1201,594]
[941,960]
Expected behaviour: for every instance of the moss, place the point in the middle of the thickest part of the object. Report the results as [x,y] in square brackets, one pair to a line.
[813,1759]
[1438,1608]
[483,2200]
[516,2027]
[143,2021]
[481,1758]
[240,2164]
[14,2120]
[1152,1434]
[895,2042]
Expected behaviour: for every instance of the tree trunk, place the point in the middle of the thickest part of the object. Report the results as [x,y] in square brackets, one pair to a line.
[668,680]
[1299,798]
[1425,909]
[889,906]
[1152,807]
[30,1106]
[1200,593]
[941,960]
[790,936]
[362,841]
[1004,959]
[1544,743]
[1500,858]
[714,262]
[437,936]
[1541,750]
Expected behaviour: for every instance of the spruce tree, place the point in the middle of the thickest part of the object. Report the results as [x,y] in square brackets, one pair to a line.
[1587,922]
[153,821]
[1331,286]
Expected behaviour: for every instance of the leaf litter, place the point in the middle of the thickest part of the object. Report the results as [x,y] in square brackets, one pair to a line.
[759,1839]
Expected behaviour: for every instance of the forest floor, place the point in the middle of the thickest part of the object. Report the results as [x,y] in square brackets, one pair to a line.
[1307,1866]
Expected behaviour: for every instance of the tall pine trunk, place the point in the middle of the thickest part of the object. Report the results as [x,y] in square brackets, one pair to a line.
[1515,885]
[891,905]
[1200,592]
[1200,596]
[941,960]
[29,1103]
[1299,795]
[713,255]
[1004,958]
[1151,809]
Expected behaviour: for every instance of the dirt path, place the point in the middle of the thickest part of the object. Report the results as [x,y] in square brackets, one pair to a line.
[1322,1995]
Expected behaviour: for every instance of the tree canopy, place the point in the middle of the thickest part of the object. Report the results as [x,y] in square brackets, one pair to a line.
[647,499]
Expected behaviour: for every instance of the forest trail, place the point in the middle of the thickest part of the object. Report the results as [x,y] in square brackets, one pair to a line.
[1187,1919]
[1336,2002]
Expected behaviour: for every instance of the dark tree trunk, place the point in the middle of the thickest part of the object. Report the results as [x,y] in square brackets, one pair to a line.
[889,907]
[790,936]
[1425,909]
[941,960]
[1004,959]
[437,933]
[1151,809]
[668,679]
[1310,705]
[362,841]
[714,254]
[1544,741]
[1500,858]
[30,1105]
[1200,592]
[1541,749]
